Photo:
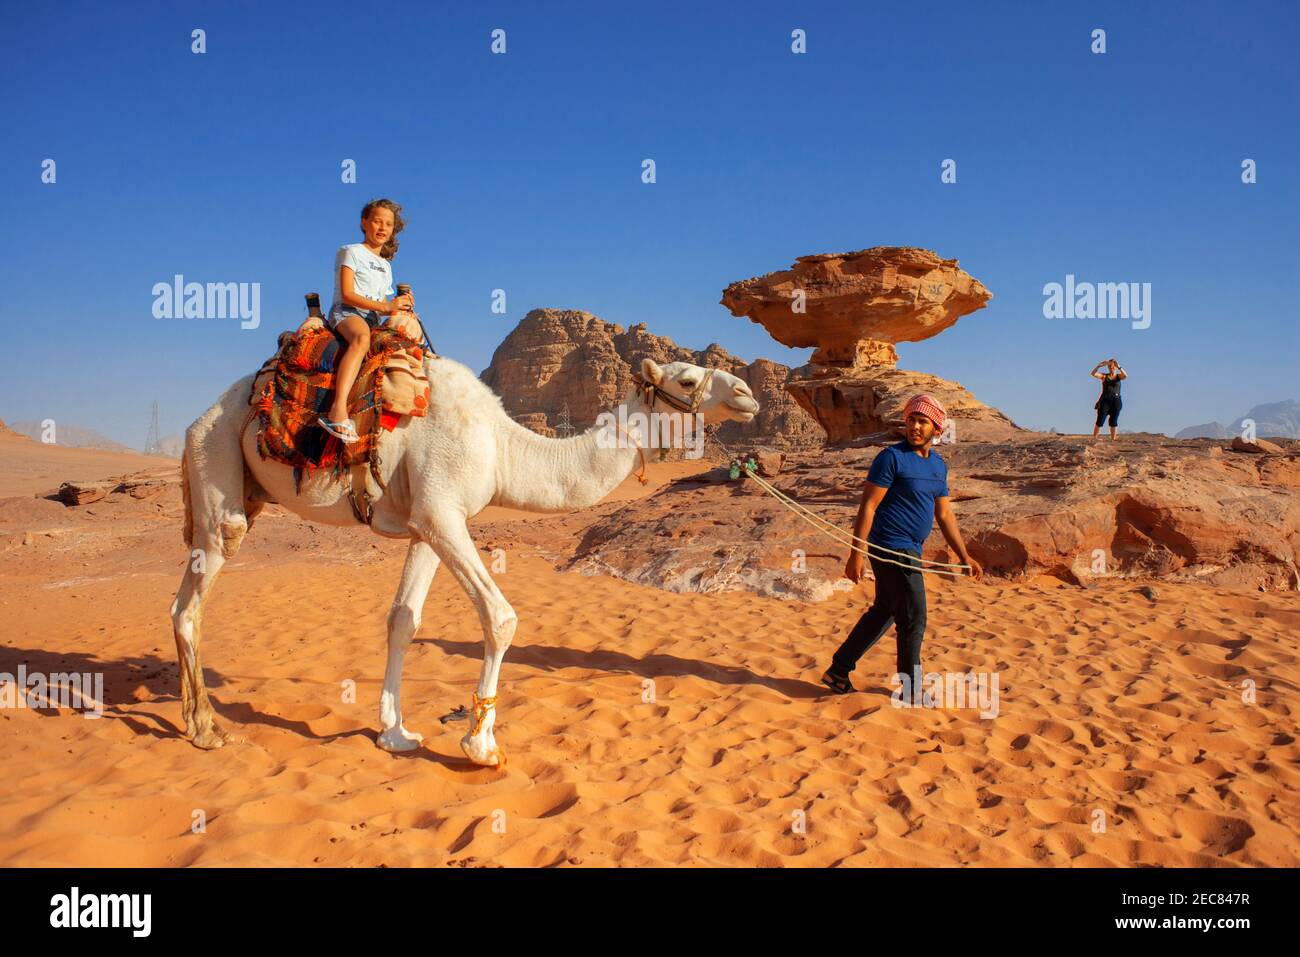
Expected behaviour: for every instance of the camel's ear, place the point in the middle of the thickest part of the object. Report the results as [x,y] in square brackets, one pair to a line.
[651,372]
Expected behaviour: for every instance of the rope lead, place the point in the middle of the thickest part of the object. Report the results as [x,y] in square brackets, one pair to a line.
[849,539]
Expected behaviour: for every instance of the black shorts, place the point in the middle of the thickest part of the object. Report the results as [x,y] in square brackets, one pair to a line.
[1109,408]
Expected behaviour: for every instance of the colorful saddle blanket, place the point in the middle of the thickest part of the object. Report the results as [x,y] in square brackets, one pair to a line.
[295,387]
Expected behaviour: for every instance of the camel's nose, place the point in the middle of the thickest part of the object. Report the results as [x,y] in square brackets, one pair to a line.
[747,407]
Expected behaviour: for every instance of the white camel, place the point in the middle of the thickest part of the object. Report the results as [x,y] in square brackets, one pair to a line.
[440,471]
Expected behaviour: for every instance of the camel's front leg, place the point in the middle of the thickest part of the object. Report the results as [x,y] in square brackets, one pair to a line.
[403,622]
[455,546]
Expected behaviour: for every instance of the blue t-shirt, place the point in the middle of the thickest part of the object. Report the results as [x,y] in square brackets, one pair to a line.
[904,518]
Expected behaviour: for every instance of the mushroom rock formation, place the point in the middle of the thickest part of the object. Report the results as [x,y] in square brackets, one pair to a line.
[852,308]
[857,305]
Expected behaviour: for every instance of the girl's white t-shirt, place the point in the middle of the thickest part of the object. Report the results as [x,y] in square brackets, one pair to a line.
[372,278]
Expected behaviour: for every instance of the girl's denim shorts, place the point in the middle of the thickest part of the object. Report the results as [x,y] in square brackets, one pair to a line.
[339,313]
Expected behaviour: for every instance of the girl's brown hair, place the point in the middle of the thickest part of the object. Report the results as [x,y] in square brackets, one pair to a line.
[389,249]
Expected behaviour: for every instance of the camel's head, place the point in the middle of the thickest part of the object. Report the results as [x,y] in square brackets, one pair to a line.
[718,395]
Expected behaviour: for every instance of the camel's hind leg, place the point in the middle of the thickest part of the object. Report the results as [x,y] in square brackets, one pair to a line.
[218,513]
[187,613]
[454,545]
[403,622]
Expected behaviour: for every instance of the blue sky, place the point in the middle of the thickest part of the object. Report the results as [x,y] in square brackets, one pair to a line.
[522,172]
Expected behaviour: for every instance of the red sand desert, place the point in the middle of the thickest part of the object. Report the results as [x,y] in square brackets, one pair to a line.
[1122,736]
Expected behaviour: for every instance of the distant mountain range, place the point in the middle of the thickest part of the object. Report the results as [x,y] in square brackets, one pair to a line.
[73,436]
[1272,419]
[171,445]
[80,437]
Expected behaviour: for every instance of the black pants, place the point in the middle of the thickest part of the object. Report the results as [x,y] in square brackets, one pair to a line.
[1109,408]
[900,600]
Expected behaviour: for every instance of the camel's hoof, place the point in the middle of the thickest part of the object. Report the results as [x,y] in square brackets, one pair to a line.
[489,758]
[398,739]
[210,739]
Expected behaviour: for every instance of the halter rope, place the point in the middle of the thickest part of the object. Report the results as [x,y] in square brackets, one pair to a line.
[834,531]
[849,539]
[640,451]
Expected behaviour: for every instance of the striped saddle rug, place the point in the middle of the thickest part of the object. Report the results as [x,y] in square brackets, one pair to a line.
[295,387]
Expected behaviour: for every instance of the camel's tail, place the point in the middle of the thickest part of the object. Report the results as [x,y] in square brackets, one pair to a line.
[213,476]
[185,497]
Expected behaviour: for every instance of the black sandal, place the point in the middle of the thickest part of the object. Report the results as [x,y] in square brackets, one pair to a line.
[838,683]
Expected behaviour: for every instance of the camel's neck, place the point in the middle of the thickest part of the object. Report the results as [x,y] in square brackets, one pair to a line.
[559,475]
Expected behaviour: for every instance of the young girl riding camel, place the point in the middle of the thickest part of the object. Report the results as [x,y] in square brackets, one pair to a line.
[363,279]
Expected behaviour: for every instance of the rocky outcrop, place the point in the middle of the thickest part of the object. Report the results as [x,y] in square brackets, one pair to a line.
[1143,507]
[1259,446]
[142,485]
[853,307]
[867,402]
[83,493]
[559,359]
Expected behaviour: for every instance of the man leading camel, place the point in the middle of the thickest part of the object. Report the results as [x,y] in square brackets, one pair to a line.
[906,491]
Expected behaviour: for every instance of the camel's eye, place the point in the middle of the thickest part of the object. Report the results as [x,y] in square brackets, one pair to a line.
[687,383]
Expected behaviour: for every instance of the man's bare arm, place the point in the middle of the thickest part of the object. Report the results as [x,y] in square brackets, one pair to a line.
[947,520]
[872,496]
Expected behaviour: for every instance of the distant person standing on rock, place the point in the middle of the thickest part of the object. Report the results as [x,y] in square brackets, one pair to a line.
[1109,403]
[906,493]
